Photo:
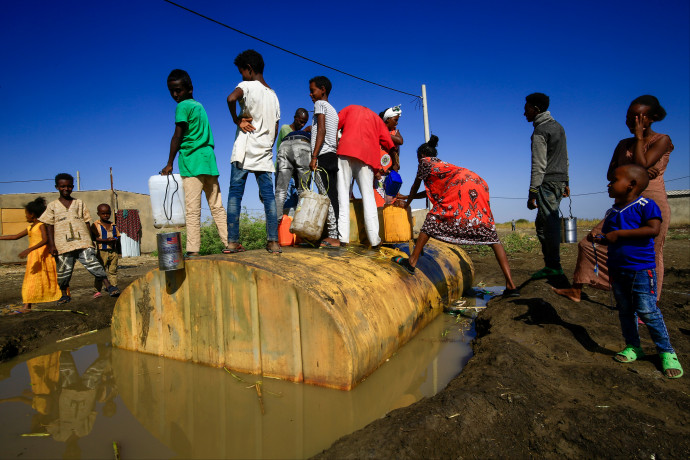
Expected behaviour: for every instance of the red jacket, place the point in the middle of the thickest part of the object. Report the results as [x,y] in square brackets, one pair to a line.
[364,134]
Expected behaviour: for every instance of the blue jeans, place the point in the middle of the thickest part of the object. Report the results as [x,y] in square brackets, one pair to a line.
[635,293]
[238,179]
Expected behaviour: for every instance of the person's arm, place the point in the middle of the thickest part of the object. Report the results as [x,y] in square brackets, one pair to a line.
[97,236]
[276,136]
[650,229]
[21,234]
[245,124]
[51,239]
[385,139]
[175,143]
[320,138]
[43,242]
[538,169]
[397,138]
[414,194]
[656,150]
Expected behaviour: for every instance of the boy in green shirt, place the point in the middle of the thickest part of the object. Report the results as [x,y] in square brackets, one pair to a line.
[197,161]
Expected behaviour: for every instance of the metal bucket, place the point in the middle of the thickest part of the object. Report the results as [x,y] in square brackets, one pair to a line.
[569,229]
[170,251]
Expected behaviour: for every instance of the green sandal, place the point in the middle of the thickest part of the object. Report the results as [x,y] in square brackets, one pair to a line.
[670,361]
[629,354]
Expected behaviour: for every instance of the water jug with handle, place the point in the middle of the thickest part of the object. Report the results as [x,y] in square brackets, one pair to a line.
[569,226]
[311,210]
[167,200]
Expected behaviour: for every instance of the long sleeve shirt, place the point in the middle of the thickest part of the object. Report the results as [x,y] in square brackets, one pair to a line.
[549,152]
[364,133]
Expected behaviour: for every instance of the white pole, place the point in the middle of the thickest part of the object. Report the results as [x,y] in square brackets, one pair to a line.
[425,108]
[78,182]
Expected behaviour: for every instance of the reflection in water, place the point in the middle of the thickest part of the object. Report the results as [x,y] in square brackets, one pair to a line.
[169,408]
[64,400]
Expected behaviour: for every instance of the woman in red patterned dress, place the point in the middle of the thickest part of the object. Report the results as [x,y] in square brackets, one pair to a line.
[460,211]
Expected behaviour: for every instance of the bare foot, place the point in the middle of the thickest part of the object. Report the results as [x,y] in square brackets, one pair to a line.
[26,308]
[573,294]
[330,242]
[671,373]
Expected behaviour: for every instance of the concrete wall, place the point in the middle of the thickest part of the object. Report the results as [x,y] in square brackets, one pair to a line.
[92,198]
[680,207]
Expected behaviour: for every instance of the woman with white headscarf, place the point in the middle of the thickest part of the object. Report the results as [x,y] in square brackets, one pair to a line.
[390,161]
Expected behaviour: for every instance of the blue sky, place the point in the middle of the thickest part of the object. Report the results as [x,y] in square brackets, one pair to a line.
[83,83]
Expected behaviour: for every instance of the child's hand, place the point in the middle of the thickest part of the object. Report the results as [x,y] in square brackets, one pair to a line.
[24,253]
[594,236]
[611,237]
[52,250]
[245,125]
[313,164]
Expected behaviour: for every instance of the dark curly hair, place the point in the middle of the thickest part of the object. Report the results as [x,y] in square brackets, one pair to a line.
[540,101]
[250,58]
[656,111]
[322,82]
[63,176]
[428,149]
[36,207]
[182,76]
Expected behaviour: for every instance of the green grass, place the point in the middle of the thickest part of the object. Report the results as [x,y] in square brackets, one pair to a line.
[516,242]
[252,235]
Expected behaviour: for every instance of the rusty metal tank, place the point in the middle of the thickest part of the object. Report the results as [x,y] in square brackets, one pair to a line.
[325,317]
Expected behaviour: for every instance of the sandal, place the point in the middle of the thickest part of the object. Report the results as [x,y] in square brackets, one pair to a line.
[404,263]
[64,299]
[273,251]
[236,249]
[629,354]
[511,293]
[670,361]
[113,291]
[97,295]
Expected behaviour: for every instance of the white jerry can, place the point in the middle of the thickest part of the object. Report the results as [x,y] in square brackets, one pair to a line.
[167,200]
[310,214]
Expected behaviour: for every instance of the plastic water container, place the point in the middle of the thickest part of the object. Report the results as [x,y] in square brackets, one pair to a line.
[392,183]
[397,224]
[167,200]
[170,251]
[310,214]
[285,238]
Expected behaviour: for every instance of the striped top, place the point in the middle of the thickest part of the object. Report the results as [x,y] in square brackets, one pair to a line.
[102,232]
[331,122]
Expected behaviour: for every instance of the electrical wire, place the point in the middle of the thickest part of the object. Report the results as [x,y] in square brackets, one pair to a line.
[574,194]
[30,180]
[288,51]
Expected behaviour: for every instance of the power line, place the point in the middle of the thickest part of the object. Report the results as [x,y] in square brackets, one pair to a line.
[574,194]
[30,180]
[288,51]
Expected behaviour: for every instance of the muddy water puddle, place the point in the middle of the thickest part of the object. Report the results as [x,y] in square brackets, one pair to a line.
[74,401]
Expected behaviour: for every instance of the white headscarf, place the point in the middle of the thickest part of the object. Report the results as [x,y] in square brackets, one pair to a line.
[392,112]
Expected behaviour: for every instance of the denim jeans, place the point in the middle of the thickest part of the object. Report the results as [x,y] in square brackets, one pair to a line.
[238,179]
[292,163]
[548,222]
[635,293]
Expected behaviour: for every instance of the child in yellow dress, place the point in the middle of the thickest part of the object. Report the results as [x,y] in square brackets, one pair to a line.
[40,280]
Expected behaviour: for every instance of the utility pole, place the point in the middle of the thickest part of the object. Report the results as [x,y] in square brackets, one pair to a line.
[425,108]
[78,182]
[427,135]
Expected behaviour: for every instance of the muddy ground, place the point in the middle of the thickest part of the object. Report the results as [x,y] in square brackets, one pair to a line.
[542,382]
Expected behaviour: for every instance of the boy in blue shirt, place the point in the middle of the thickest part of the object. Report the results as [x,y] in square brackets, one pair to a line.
[629,230]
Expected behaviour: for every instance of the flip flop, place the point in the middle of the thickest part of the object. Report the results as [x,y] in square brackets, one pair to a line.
[511,293]
[404,263]
[327,245]
[64,299]
[629,354]
[97,295]
[273,251]
[234,250]
[113,291]
[670,361]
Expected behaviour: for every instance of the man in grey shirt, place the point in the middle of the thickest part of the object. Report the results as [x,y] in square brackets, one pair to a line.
[549,182]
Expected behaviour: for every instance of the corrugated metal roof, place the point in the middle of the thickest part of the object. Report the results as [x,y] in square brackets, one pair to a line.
[677,192]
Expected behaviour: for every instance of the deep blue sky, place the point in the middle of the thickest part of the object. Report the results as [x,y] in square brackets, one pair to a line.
[83,83]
